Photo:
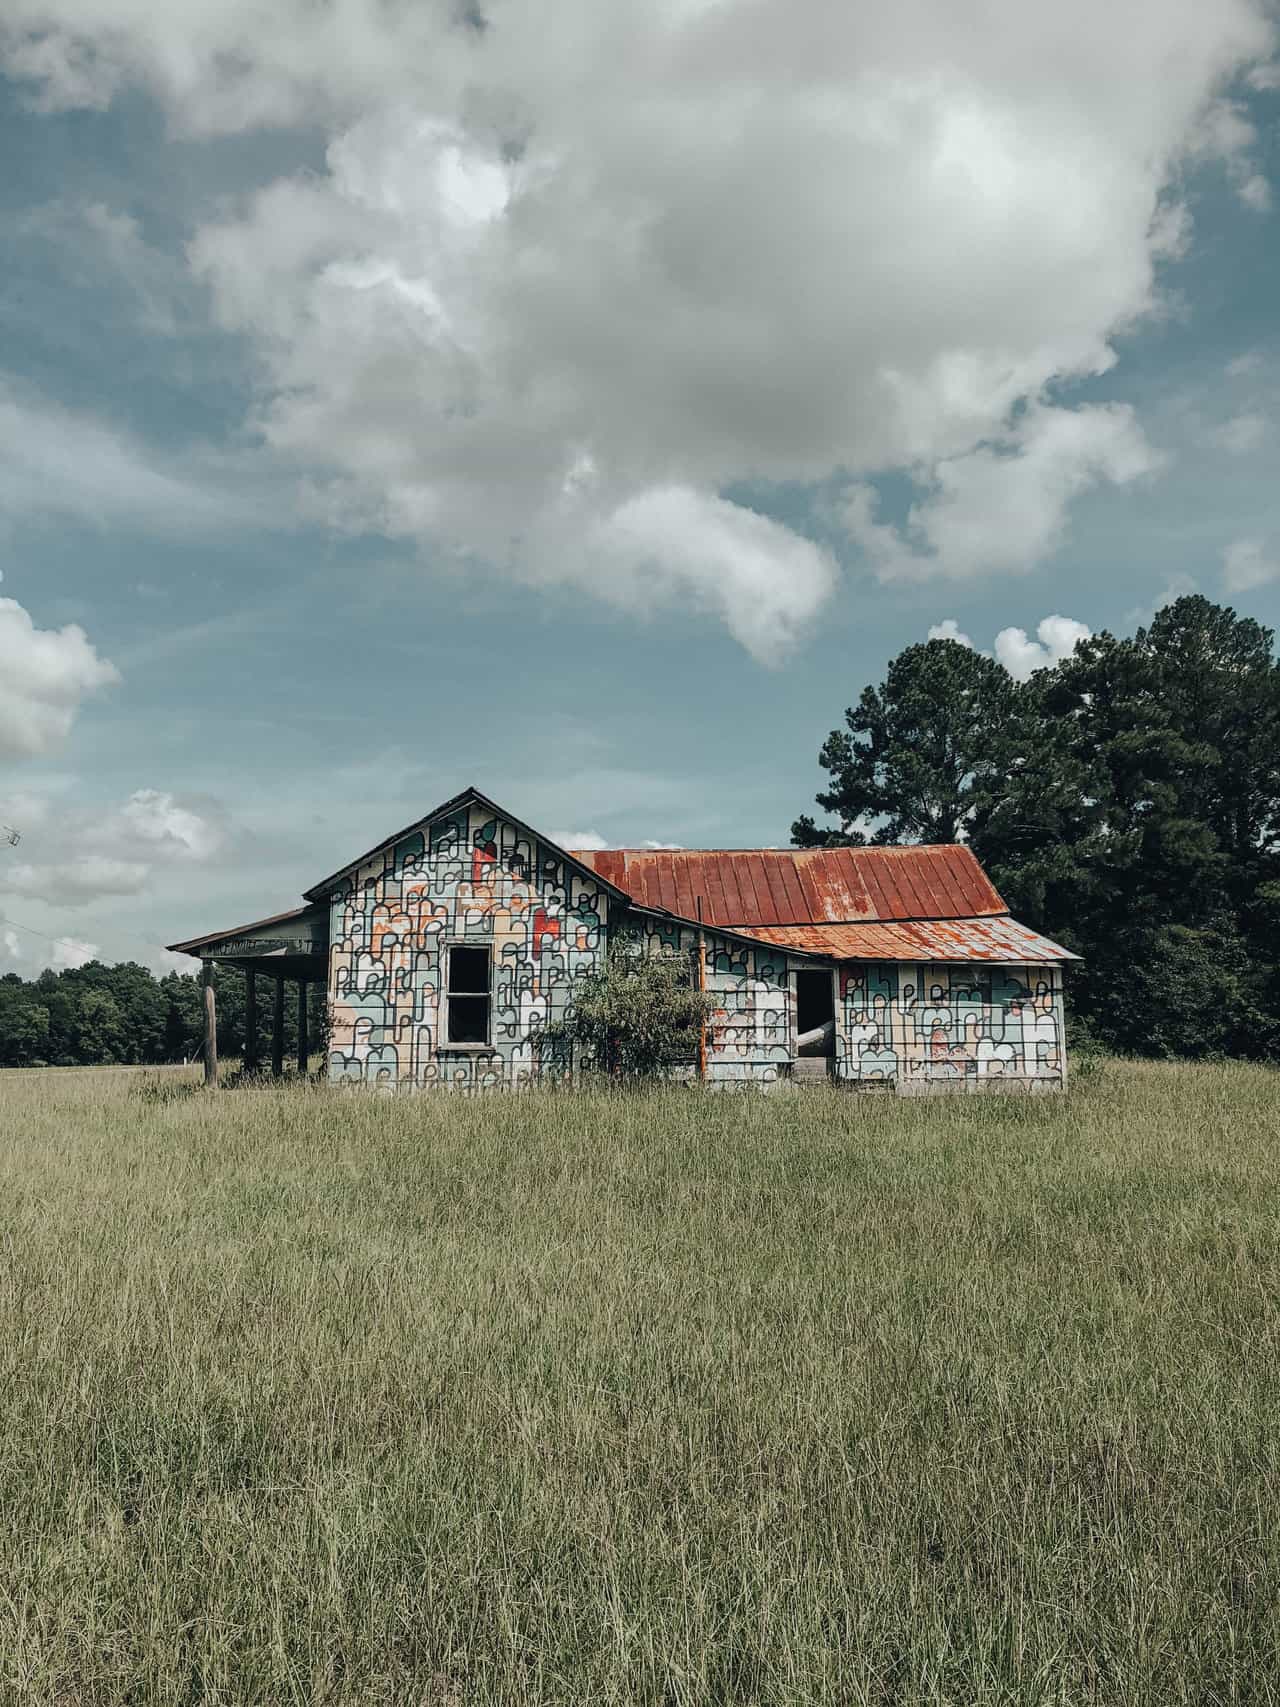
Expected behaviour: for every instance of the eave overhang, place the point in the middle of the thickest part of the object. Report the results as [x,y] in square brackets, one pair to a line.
[300,932]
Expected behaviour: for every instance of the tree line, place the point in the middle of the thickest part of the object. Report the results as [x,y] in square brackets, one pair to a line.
[1126,802]
[97,1015]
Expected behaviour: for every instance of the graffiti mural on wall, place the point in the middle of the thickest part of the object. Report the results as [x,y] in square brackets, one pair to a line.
[478,880]
[953,1023]
[751,1026]
[474,879]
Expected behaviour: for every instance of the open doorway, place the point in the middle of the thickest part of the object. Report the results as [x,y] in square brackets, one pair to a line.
[815,1013]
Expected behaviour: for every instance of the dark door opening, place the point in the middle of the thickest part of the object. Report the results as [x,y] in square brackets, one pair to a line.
[815,1013]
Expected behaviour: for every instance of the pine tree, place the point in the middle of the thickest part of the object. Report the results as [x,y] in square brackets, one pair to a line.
[917,751]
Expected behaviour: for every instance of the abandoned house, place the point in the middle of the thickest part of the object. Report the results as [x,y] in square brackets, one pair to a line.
[444,949]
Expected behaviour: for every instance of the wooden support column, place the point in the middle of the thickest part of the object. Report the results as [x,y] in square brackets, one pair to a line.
[304,1050]
[277,1032]
[250,1021]
[210,1026]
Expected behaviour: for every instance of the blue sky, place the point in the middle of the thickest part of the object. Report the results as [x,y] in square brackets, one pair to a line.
[389,403]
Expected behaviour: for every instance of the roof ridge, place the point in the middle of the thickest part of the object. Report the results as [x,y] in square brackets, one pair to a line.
[321,891]
[865,848]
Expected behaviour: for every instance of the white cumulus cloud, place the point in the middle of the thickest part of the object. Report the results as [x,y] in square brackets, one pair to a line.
[73,882]
[152,820]
[580,841]
[1056,639]
[73,856]
[560,296]
[69,952]
[45,673]
[1246,565]
[1002,507]
[591,841]
[765,581]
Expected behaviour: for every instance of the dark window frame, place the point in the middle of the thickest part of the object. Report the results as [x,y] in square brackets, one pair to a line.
[467,1000]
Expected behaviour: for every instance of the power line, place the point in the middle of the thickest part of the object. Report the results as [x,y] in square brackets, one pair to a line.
[13,837]
[61,941]
[75,941]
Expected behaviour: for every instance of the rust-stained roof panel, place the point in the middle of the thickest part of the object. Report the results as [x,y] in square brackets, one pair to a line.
[999,939]
[741,888]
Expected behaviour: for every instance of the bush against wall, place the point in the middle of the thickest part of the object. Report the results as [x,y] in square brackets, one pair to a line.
[637,1017]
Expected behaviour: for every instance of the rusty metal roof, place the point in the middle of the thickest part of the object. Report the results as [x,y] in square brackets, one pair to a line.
[749,887]
[1001,939]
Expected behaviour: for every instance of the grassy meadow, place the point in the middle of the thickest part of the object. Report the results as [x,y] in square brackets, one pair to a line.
[310,1397]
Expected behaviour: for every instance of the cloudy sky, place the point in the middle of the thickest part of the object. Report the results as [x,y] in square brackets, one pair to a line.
[585,402]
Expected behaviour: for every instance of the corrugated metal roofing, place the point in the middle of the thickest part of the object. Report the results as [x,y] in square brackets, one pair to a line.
[747,887]
[919,939]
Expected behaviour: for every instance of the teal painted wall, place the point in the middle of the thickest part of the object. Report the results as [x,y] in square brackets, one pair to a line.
[470,878]
[950,1027]
[749,1037]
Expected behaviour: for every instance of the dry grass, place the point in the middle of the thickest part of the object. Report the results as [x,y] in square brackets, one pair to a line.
[309,1397]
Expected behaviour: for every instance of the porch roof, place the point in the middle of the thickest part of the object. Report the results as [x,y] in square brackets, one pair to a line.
[294,944]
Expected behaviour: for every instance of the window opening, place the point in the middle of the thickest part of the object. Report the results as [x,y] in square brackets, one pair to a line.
[468,995]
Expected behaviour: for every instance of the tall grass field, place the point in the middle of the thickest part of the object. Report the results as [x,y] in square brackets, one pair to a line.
[312,1397]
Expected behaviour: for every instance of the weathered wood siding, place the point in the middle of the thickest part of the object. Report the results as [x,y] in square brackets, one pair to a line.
[950,1027]
[751,1034]
[472,878]
[478,879]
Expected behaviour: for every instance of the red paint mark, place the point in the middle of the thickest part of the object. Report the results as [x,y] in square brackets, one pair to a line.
[484,853]
[543,926]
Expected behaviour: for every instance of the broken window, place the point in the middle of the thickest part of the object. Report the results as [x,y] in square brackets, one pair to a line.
[468,994]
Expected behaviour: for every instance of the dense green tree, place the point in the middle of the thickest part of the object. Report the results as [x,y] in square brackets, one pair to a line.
[1219,698]
[96,1014]
[184,1016]
[24,1025]
[1126,801]
[100,1027]
[916,752]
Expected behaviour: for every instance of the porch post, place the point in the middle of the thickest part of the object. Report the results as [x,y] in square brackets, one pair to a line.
[250,1021]
[210,1026]
[303,1049]
[277,1032]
